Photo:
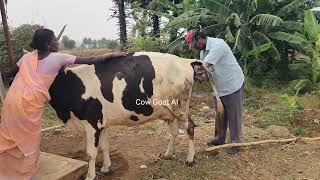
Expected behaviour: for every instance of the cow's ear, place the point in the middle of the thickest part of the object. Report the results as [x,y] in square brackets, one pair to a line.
[196,63]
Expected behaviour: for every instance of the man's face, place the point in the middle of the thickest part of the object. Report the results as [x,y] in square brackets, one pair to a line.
[200,44]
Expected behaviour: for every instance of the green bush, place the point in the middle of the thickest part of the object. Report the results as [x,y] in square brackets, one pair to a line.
[20,38]
[291,90]
[146,43]
[299,131]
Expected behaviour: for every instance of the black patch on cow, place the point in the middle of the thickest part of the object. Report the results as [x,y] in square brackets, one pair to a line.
[198,63]
[66,96]
[190,129]
[134,118]
[134,70]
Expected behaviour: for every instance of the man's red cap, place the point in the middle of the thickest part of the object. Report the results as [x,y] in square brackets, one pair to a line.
[190,39]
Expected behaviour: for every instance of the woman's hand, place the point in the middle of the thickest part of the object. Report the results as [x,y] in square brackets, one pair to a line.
[119,54]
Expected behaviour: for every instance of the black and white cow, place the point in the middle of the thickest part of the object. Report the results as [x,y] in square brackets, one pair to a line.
[126,91]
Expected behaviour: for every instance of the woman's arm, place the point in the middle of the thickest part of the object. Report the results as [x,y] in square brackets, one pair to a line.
[95,59]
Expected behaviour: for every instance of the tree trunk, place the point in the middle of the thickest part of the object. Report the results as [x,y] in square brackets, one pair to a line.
[156,24]
[122,24]
[6,32]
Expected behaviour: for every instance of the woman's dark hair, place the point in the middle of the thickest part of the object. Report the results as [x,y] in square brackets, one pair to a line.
[199,34]
[41,38]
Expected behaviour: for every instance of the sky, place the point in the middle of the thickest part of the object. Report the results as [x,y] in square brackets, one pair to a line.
[83,18]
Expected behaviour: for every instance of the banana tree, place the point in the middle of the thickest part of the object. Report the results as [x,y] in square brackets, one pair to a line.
[306,43]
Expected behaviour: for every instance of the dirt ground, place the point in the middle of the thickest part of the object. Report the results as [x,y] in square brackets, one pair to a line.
[136,146]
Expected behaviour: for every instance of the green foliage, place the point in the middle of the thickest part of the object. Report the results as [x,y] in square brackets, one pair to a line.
[299,131]
[292,87]
[146,43]
[317,89]
[245,26]
[20,38]
[306,44]
[23,34]
[68,43]
[292,104]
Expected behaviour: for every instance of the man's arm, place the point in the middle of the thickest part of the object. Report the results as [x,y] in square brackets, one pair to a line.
[215,54]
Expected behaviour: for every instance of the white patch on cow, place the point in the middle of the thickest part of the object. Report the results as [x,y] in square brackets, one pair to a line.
[99,125]
[174,131]
[104,146]
[141,86]
[92,151]
[191,152]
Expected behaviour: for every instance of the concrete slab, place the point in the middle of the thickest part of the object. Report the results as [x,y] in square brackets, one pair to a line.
[54,167]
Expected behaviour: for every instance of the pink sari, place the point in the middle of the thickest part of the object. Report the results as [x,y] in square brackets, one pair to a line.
[20,125]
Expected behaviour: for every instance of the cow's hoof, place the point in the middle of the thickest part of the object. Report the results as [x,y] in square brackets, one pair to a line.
[168,157]
[190,163]
[105,169]
[89,178]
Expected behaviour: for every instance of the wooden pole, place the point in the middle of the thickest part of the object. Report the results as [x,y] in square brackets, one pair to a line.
[2,92]
[8,44]
[6,31]
[61,32]
[261,142]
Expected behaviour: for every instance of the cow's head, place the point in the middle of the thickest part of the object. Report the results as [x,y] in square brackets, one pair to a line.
[200,72]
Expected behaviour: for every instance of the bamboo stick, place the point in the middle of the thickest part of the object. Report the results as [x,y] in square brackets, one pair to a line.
[261,142]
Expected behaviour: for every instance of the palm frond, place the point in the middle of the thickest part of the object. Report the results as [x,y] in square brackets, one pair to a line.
[266,20]
[234,19]
[295,40]
[213,28]
[215,7]
[240,39]
[176,44]
[186,5]
[188,18]
[259,49]
[290,7]
[228,34]
[310,25]
[261,38]
[293,25]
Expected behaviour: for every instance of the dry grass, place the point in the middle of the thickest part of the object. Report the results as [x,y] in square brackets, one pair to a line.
[88,52]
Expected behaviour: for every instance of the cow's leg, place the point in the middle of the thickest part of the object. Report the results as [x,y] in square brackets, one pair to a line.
[189,126]
[190,131]
[104,146]
[92,149]
[174,131]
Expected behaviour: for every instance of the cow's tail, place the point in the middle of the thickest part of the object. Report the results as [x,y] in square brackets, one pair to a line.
[217,105]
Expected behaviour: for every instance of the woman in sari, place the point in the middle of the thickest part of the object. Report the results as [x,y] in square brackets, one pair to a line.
[20,124]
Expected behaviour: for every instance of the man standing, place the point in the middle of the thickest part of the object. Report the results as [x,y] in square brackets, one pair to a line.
[229,80]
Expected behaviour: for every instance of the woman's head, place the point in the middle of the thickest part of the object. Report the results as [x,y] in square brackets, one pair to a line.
[44,40]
